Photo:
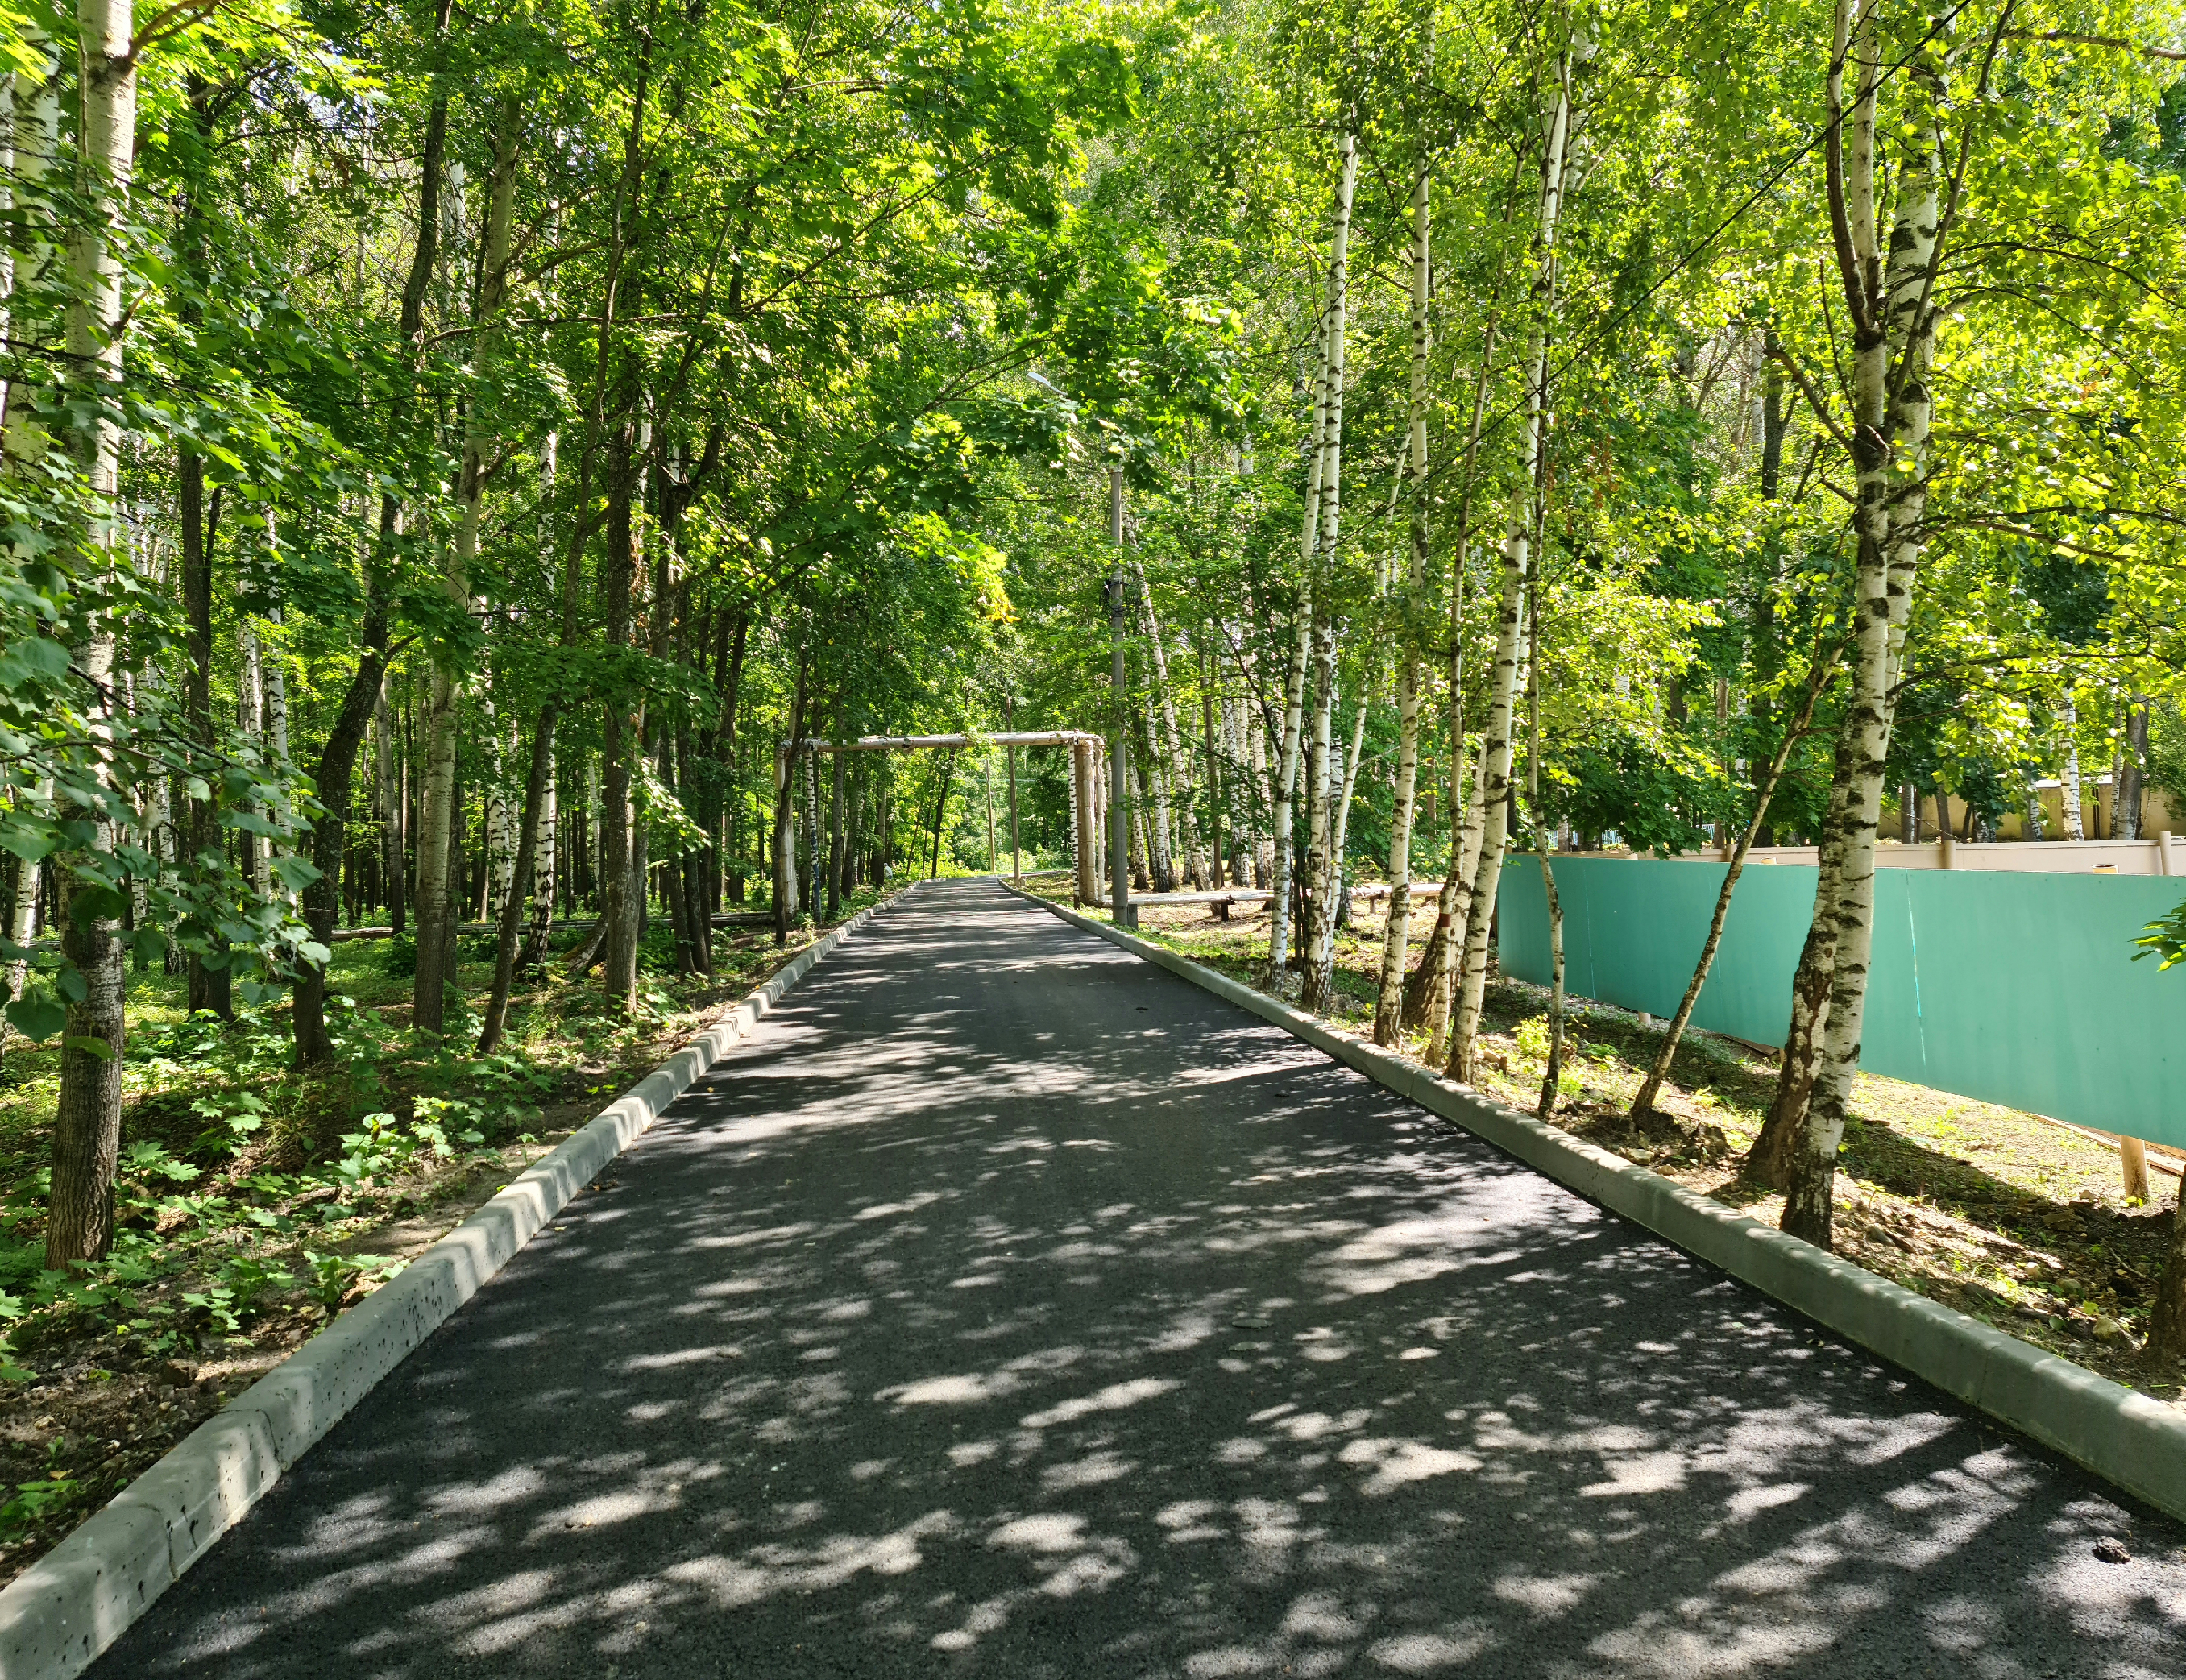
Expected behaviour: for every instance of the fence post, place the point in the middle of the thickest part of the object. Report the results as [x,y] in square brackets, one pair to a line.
[2132,1155]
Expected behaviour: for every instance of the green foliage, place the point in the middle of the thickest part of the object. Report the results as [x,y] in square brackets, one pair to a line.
[2165,939]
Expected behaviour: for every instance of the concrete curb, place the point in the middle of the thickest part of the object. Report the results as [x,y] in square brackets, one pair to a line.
[2128,1438]
[61,1612]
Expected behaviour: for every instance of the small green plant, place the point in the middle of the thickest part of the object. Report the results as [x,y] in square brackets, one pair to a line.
[1533,1038]
[35,1500]
[217,1304]
[248,1279]
[334,1275]
[372,1153]
[230,1119]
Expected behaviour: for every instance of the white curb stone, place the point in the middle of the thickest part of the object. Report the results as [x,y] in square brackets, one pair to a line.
[61,1612]
[2129,1439]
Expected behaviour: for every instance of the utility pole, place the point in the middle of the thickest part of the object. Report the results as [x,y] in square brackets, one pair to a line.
[1119,849]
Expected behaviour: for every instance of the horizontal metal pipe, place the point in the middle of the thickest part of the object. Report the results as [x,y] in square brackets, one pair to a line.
[905,743]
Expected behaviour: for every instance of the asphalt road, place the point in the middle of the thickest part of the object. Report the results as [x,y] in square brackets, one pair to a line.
[1007,1307]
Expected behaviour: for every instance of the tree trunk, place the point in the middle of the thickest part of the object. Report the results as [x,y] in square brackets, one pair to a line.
[338,757]
[1891,314]
[538,930]
[1495,758]
[438,896]
[87,1130]
[1322,867]
[1282,884]
[785,806]
[1397,934]
[2132,773]
[209,986]
[538,796]
[2167,1321]
[1339,834]
[835,858]
[622,888]
[1553,1077]
[1317,878]
[941,807]
[1651,1086]
[1427,1001]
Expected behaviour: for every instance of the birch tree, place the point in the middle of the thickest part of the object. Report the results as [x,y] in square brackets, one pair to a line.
[1388,1017]
[1495,758]
[1887,281]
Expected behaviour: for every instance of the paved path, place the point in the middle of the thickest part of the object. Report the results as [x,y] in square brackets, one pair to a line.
[1007,1307]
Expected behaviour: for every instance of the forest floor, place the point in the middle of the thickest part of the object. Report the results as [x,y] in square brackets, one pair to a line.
[255,1204]
[2012,1219]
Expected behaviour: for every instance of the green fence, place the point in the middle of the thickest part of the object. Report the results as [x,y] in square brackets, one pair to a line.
[2017,989]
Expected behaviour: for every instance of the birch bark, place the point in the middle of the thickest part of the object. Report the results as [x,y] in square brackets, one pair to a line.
[1427,998]
[1495,746]
[1397,938]
[1320,866]
[1286,770]
[87,1130]
[1893,323]
[436,908]
[1172,742]
[2076,827]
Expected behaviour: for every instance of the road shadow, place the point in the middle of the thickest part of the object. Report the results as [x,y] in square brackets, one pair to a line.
[1006,1306]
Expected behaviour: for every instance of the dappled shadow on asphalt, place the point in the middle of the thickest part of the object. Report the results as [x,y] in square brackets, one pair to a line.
[1006,1306]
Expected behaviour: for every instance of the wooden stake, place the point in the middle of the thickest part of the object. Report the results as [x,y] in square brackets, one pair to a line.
[2132,1155]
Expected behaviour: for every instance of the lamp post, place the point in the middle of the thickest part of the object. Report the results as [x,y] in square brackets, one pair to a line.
[1120,847]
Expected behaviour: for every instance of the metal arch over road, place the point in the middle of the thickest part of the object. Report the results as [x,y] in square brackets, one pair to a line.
[1088,805]
[1005,1306]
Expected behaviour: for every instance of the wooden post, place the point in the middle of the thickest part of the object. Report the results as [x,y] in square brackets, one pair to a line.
[2132,1155]
[1078,832]
[1017,857]
[1089,826]
[986,797]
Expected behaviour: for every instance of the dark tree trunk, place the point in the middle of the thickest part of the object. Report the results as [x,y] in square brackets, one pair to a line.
[519,893]
[941,807]
[209,987]
[338,757]
[622,888]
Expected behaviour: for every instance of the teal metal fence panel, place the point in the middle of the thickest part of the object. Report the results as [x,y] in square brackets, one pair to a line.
[2017,989]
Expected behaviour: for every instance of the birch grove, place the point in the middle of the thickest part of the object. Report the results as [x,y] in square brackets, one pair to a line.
[462,475]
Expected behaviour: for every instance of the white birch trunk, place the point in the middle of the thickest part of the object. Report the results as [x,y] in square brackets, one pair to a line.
[435,907]
[1172,744]
[1321,869]
[87,1129]
[1496,745]
[2068,789]
[1339,833]
[1388,1015]
[1892,338]
[1286,770]
[251,720]
[1440,1007]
